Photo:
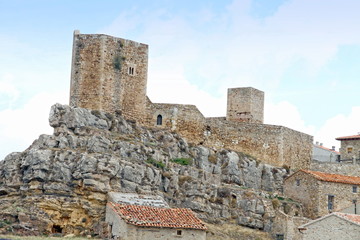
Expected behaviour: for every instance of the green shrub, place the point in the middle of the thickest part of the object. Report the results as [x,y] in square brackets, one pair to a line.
[155,163]
[118,62]
[183,161]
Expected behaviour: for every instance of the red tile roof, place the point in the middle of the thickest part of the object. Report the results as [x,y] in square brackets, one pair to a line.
[351,217]
[325,148]
[330,177]
[354,137]
[146,216]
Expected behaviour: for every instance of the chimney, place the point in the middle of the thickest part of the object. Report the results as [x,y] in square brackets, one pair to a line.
[321,144]
[317,143]
[333,148]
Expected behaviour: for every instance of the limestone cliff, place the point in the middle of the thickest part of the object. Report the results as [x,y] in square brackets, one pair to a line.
[59,184]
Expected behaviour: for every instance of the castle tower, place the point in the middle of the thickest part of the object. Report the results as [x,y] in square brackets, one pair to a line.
[245,105]
[109,74]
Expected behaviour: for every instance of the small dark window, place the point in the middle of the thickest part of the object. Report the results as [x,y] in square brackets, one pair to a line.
[159,120]
[131,71]
[280,237]
[355,206]
[354,189]
[330,202]
[179,232]
[297,182]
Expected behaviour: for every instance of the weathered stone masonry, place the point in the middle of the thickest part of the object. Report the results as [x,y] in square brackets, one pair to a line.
[110,74]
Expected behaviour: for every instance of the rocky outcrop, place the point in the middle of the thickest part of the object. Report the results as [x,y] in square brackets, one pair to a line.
[60,183]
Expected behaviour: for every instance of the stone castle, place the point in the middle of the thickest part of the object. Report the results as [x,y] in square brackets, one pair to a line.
[110,74]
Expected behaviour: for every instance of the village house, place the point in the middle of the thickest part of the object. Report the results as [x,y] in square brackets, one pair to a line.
[324,154]
[323,193]
[350,147]
[136,222]
[332,226]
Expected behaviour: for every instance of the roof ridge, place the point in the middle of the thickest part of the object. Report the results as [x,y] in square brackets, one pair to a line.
[149,216]
[333,177]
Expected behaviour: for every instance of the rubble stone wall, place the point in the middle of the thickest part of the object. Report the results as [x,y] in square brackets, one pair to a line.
[279,146]
[346,145]
[342,168]
[305,189]
[109,74]
[245,105]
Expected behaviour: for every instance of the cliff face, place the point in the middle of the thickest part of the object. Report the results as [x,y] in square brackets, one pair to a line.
[59,184]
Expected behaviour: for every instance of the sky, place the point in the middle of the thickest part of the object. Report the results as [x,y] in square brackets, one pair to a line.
[304,54]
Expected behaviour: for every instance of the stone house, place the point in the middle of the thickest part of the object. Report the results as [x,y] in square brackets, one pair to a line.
[332,226]
[136,222]
[323,154]
[350,147]
[322,193]
[110,74]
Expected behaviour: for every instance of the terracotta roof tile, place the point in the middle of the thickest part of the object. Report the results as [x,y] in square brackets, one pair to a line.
[330,177]
[325,148]
[147,216]
[351,217]
[354,137]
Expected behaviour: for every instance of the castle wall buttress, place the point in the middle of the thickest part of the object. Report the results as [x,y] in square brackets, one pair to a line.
[109,74]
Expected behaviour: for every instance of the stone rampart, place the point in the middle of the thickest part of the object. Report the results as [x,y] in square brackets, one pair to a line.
[277,145]
[110,74]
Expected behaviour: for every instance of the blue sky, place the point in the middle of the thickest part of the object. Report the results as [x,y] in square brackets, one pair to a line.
[304,54]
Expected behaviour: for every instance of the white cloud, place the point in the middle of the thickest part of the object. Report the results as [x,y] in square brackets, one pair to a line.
[20,127]
[287,115]
[171,87]
[339,126]
[8,89]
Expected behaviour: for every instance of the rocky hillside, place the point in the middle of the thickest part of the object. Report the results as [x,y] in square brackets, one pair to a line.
[60,183]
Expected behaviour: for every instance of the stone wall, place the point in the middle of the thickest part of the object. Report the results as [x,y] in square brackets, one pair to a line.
[305,189]
[342,168]
[277,145]
[354,144]
[186,120]
[287,226]
[245,105]
[343,196]
[313,194]
[109,74]
[331,227]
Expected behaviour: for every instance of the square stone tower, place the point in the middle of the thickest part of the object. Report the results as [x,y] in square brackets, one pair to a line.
[245,105]
[109,74]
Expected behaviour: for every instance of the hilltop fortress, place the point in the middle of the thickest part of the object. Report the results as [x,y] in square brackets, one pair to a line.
[110,74]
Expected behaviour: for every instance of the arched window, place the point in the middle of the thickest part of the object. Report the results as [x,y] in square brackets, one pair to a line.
[159,120]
